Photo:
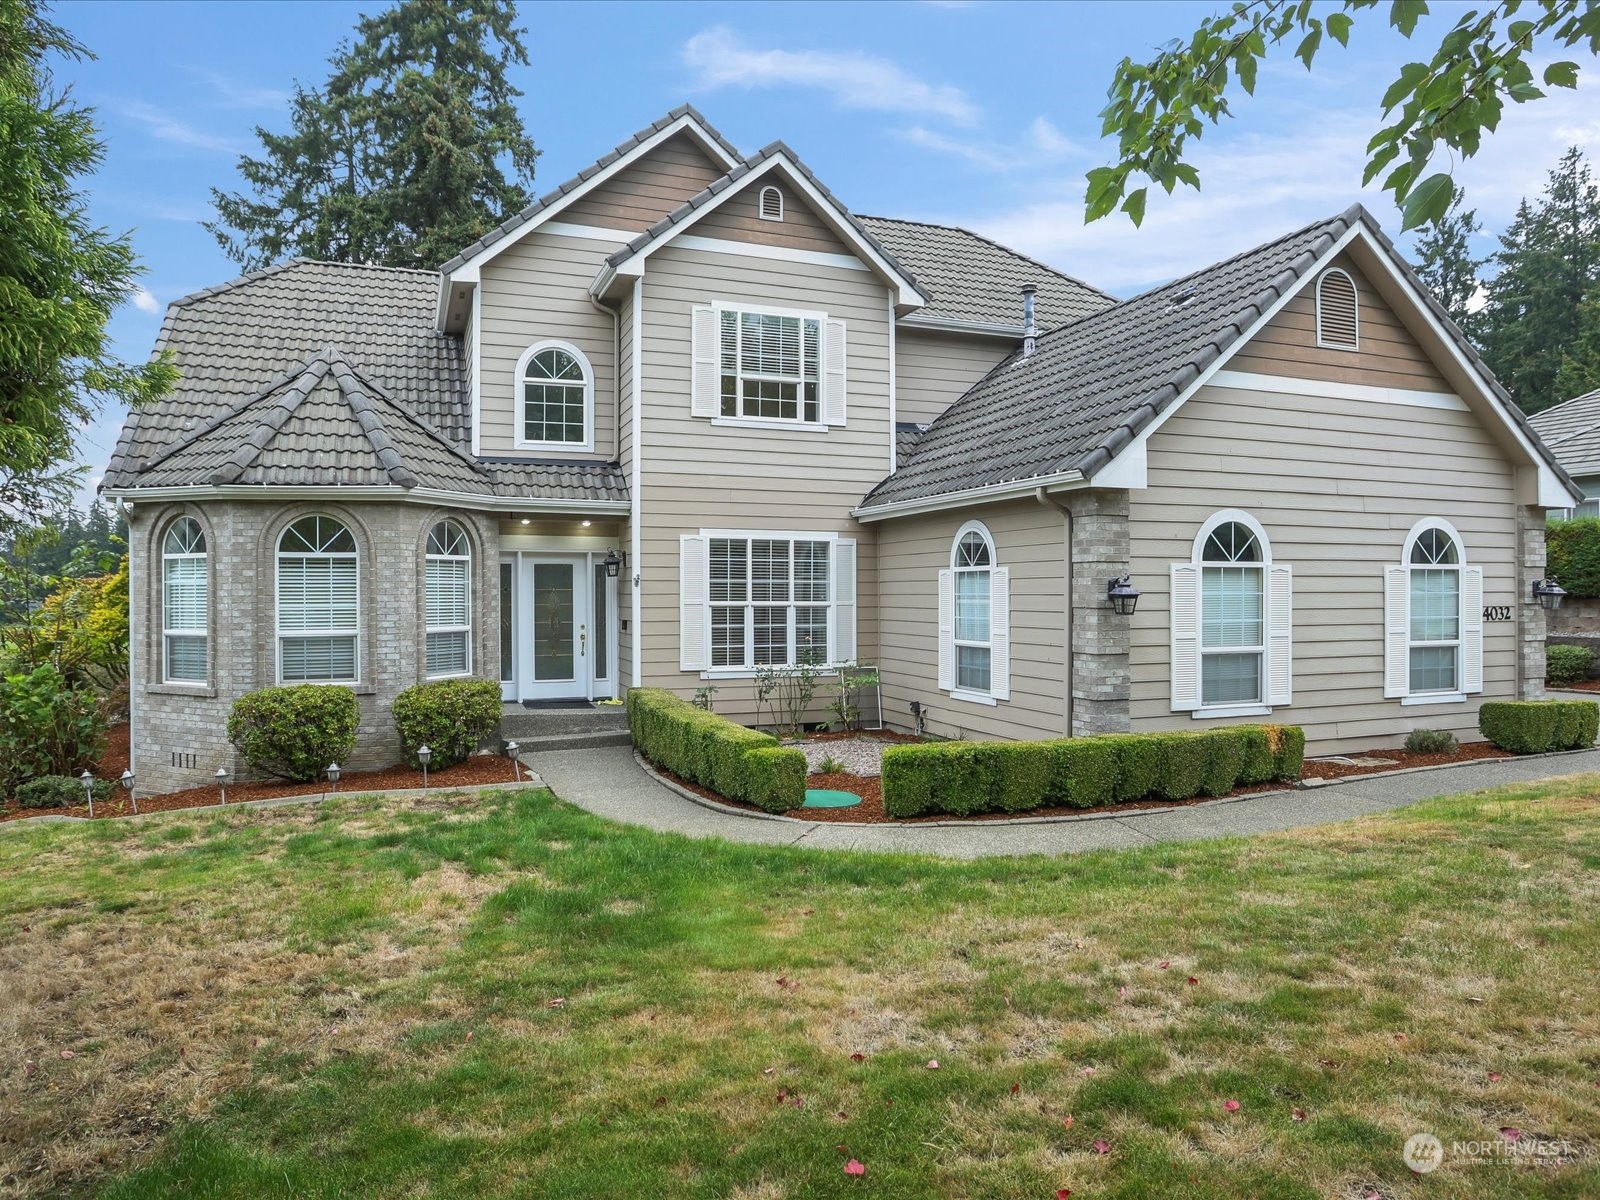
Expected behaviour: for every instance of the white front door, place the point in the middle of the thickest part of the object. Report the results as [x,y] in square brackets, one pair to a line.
[554,614]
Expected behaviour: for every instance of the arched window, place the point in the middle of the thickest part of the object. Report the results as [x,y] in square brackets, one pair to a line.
[185,602]
[318,603]
[771,204]
[556,397]
[1232,613]
[447,582]
[1338,325]
[975,619]
[1433,605]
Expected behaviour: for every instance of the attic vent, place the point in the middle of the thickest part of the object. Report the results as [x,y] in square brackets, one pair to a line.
[771,204]
[1181,299]
[1336,311]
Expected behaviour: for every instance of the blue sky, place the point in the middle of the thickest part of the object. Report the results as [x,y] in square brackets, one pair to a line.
[981,114]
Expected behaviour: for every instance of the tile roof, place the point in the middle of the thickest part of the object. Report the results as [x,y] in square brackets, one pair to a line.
[972,278]
[1571,431]
[510,226]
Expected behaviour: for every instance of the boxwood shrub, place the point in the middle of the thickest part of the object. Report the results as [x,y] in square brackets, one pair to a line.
[963,778]
[1566,665]
[295,732]
[451,717]
[1539,726]
[58,791]
[714,752]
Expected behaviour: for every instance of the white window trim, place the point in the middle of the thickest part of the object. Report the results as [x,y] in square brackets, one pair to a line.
[277,616]
[968,696]
[167,633]
[1445,695]
[1354,291]
[718,307]
[428,628]
[519,400]
[972,695]
[749,671]
[761,203]
[1253,708]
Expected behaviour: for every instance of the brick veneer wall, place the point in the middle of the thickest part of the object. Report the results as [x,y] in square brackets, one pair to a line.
[180,730]
[1100,638]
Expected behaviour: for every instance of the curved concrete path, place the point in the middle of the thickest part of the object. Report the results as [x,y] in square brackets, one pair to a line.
[609,783]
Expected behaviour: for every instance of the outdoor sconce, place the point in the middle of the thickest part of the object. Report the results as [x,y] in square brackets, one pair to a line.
[87,779]
[424,756]
[612,563]
[1548,593]
[127,784]
[1124,597]
[222,777]
[333,772]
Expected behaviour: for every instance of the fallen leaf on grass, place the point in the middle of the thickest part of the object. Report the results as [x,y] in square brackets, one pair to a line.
[1063,1193]
[1297,1114]
[1230,1105]
[1494,1077]
[1102,1147]
[1164,964]
[1193,981]
[933,1064]
[854,1168]
[858,1057]
[68,1054]
[558,1002]
[1510,1132]
[1066,1122]
[1015,1088]
[1086,1072]
[1399,1037]
[1123,992]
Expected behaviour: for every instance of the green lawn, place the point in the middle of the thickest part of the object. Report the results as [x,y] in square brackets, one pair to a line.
[507,996]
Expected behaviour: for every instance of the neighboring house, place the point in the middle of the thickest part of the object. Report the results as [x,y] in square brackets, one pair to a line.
[1572,432]
[687,415]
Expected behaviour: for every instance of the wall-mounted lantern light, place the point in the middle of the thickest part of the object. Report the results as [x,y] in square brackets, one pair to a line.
[1548,593]
[1124,597]
[612,563]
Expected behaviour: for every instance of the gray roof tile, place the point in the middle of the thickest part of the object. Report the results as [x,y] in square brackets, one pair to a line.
[1571,430]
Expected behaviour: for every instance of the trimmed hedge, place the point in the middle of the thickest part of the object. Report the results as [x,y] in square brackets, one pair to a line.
[963,778]
[1539,726]
[1564,665]
[451,717]
[714,752]
[1572,555]
[295,732]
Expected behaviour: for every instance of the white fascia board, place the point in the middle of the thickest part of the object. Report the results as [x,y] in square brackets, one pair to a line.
[1295,385]
[431,496]
[685,123]
[1022,489]
[955,325]
[906,292]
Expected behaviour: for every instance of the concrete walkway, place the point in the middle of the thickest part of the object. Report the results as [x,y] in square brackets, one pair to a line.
[609,783]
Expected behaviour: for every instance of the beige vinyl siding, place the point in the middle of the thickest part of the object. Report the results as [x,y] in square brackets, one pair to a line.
[736,220]
[1388,356]
[538,289]
[699,475]
[1337,485]
[468,355]
[643,192]
[934,370]
[625,384]
[1031,541]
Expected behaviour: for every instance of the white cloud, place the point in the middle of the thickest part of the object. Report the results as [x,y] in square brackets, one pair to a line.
[168,128]
[1043,145]
[853,79]
[145,302]
[238,94]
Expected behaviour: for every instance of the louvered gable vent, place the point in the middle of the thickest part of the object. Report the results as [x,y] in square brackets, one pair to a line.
[1336,311]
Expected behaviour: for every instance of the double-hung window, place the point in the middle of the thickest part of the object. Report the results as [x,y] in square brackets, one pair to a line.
[1433,619]
[185,603]
[770,365]
[318,603]
[770,601]
[447,582]
[975,619]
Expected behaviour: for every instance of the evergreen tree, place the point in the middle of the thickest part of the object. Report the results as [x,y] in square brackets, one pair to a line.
[61,276]
[1549,264]
[1580,363]
[397,159]
[1445,262]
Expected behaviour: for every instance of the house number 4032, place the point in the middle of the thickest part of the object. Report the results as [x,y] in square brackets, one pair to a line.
[1497,612]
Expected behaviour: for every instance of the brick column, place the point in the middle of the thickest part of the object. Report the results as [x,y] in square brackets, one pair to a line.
[1100,551]
[1530,616]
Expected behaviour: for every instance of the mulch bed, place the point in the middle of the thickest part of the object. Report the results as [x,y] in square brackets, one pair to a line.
[1319,769]
[483,768]
[1583,685]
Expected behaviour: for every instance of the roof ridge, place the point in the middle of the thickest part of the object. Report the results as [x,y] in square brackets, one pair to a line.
[273,419]
[999,245]
[283,379]
[406,412]
[353,389]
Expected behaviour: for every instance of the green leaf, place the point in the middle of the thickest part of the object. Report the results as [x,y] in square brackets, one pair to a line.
[1404,15]
[1562,74]
[1339,27]
[1134,206]
[1307,49]
[1378,162]
[1523,92]
[1245,65]
[1428,201]
[1411,75]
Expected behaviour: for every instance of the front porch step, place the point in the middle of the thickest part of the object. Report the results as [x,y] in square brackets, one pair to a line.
[571,741]
[564,729]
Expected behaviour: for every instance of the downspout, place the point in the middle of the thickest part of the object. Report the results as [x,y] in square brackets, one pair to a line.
[635,353]
[1049,501]
[616,371]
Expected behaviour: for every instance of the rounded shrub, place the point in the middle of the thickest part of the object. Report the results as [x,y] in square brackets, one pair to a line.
[1539,726]
[451,717]
[295,732]
[1566,665]
[1431,741]
[58,791]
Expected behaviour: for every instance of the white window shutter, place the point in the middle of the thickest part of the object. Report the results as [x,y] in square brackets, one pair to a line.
[1396,632]
[1185,637]
[947,630]
[833,372]
[1000,633]
[693,610]
[1471,629]
[1280,634]
[843,641]
[705,387]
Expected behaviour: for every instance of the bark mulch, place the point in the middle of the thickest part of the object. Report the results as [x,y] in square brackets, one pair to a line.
[1317,768]
[482,768]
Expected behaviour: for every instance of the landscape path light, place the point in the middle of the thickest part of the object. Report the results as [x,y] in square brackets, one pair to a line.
[333,772]
[423,757]
[513,750]
[127,783]
[87,779]
[222,777]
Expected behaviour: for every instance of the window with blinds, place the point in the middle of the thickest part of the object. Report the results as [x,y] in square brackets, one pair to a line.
[185,603]
[318,603]
[1337,317]
[770,601]
[770,365]
[447,583]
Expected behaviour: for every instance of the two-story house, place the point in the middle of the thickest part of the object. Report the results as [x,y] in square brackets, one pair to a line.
[687,415]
